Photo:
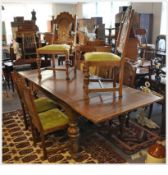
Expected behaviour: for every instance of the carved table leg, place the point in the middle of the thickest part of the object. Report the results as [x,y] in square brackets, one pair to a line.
[73,133]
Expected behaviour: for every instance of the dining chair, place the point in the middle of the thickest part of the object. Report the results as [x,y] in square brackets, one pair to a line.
[110,60]
[45,122]
[63,43]
[42,103]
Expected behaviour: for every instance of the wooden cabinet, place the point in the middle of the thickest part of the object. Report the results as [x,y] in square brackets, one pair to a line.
[146,22]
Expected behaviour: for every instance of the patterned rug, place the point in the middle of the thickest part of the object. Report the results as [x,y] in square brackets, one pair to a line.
[18,145]
[134,138]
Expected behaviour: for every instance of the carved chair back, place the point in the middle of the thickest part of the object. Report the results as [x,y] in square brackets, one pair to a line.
[64,27]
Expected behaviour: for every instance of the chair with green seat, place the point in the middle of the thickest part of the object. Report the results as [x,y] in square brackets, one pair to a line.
[56,49]
[45,122]
[109,60]
[42,104]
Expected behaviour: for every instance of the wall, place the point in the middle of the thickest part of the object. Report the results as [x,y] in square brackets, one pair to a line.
[150,7]
[58,8]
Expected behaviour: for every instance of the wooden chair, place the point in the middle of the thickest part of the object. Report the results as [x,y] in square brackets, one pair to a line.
[64,28]
[64,38]
[143,45]
[45,122]
[42,104]
[110,60]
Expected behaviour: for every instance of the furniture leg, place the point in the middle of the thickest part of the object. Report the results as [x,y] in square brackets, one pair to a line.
[73,133]
[44,146]
[163,122]
[53,64]
[38,61]
[67,66]
[150,110]
[121,120]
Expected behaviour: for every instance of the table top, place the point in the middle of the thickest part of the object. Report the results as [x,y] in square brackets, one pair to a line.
[98,107]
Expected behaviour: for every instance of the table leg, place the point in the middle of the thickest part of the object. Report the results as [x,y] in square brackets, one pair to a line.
[121,125]
[163,122]
[73,133]
[38,61]
[67,66]
[53,64]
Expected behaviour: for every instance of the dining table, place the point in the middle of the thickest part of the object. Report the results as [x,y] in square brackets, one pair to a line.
[95,107]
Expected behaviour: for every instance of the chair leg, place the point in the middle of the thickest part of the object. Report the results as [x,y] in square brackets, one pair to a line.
[24,117]
[44,146]
[150,110]
[33,133]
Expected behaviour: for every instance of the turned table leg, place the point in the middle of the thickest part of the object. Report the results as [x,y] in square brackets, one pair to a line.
[73,132]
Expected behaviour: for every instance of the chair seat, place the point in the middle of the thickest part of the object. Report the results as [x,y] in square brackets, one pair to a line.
[101,57]
[43,104]
[52,47]
[53,118]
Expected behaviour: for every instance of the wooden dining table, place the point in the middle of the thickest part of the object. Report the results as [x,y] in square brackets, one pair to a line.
[95,107]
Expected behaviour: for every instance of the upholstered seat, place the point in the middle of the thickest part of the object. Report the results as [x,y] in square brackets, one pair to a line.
[101,56]
[53,118]
[60,47]
[43,104]
[56,49]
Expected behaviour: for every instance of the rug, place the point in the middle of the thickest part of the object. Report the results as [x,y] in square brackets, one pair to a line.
[134,138]
[18,145]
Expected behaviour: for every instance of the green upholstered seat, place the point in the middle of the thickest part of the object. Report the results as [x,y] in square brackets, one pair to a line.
[43,104]
[101,56]
[53,118]
[60,47]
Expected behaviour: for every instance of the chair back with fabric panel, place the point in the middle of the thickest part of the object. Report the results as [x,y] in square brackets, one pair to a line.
[110,60]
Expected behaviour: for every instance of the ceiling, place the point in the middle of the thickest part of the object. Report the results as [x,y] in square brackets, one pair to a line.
[46,1]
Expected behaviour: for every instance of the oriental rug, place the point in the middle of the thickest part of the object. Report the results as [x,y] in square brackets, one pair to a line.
[134,138]
[18,145]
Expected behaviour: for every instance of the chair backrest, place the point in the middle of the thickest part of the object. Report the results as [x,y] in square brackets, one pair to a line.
[64,27]
[29,44]
[29,103]
[16,78]
[124,32]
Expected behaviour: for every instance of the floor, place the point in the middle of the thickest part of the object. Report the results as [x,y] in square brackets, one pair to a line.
[11,103]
